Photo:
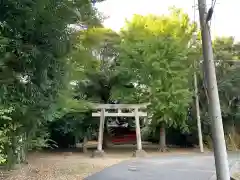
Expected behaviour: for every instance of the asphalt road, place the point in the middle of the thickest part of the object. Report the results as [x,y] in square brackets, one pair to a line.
[172,167]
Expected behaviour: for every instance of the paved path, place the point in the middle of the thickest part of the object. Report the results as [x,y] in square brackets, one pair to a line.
[172,167]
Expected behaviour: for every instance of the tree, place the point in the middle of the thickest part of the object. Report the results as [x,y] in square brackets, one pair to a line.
[225,50]
[35,46]
[99,75]
[153,54]
[93,78]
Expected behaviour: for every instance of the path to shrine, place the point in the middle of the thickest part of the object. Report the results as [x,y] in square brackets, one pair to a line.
[174,167]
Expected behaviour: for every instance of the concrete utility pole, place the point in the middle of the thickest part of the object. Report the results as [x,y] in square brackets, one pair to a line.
[219,145]
[200,139]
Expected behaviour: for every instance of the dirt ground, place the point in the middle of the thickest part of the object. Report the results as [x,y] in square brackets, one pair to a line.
[73,165]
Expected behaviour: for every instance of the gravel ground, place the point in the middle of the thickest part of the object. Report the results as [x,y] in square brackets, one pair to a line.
[60,167]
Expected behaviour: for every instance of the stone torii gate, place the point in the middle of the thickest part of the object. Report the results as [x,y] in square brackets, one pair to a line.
[134,112]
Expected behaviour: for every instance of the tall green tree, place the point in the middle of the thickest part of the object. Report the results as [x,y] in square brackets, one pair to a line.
[154,55]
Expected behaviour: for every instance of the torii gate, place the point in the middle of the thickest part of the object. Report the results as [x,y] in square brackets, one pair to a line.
[135,113]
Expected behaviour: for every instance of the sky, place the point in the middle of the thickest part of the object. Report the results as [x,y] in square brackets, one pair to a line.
[224,21]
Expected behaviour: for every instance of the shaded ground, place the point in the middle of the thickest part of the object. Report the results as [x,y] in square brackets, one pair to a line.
[74,166]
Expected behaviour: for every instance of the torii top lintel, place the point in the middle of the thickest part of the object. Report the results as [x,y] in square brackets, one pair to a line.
[120,106]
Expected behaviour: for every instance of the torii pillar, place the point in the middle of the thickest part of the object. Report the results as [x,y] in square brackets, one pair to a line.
[100,152]
[139,152]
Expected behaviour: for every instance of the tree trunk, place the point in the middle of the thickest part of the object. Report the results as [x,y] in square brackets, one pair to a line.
[22,148]
[107,140]
[84,146]
[12,158]
[162,139]
[232,135]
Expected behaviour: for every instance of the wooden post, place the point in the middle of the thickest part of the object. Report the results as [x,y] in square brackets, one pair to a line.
[101,129]
[138,130]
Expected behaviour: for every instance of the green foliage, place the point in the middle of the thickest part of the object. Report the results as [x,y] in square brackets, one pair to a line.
[75,125]
[4,116]
[227,73]
[99,74]
[228,81]
[225,49]
[153,55]
[36,60]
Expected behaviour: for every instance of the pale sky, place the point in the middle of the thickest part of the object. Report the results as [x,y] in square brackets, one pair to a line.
[224,23]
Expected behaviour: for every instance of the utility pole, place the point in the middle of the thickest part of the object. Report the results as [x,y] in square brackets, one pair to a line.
[200,139]
[219,145]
